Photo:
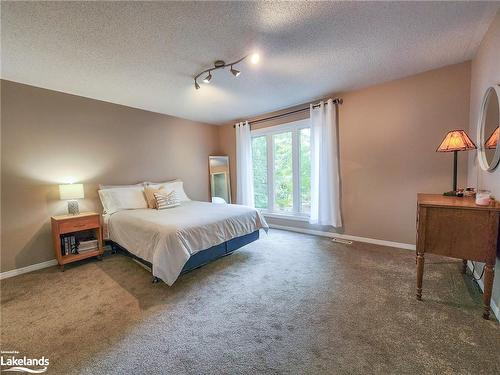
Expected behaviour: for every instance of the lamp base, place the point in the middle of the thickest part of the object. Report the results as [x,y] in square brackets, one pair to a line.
[73,208]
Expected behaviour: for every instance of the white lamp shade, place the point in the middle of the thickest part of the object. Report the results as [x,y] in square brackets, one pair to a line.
[71,191]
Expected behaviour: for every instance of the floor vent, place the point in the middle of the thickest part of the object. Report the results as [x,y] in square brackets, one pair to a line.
[341,240]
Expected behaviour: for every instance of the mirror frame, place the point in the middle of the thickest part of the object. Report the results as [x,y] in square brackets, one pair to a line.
[483,161]
[228,175]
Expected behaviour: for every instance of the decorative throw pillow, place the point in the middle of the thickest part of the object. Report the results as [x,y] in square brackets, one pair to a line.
[149,193]
[168,200]
[176,185]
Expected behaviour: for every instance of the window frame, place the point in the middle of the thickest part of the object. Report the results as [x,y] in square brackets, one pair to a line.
[294,127]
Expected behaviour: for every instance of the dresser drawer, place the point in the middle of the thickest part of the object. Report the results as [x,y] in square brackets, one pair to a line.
[463,234]
[76,225]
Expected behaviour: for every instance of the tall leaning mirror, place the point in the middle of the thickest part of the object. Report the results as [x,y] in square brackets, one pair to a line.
[488,129]
[220,185]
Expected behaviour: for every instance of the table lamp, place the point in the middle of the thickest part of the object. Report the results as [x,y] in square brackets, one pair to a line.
[492,141]
[71,192]
[455,140]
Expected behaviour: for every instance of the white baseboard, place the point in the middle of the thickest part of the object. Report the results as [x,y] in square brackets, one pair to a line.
[33,267]
[494,308]
[374,241]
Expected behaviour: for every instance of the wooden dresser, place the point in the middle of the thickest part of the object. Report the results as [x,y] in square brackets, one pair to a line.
[458,228]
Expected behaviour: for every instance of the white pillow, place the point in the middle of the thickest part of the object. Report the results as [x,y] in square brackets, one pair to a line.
[103,187]
[218,200]
[118,199]
[147,183]
[176,185]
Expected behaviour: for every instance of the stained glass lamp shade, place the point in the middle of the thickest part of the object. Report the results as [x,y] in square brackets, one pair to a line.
[492,141]
[454,141]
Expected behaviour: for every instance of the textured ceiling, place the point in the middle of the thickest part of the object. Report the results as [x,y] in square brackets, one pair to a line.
[144,55]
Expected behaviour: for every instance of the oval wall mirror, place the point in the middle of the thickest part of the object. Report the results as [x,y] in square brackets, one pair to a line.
[488,129]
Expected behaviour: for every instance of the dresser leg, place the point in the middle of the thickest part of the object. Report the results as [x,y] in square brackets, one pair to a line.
[420,274]
[488,286]
[464,266]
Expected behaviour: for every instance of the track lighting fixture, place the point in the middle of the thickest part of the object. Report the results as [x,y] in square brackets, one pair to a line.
[219,64]
[235,72]
[208,78]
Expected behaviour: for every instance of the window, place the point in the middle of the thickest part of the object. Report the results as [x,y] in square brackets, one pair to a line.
[305,170]
[281,159]
[283,172]
[259,160]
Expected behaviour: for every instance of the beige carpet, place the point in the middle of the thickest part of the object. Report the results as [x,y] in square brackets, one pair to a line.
[288,303]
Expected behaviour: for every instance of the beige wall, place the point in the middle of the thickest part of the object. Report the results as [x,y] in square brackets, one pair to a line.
[388,137]
[48,137]
[485,71]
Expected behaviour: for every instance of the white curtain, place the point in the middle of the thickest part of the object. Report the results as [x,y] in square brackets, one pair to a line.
[325,176]
[244,170]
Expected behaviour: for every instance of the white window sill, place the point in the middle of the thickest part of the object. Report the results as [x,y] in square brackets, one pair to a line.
[290,216]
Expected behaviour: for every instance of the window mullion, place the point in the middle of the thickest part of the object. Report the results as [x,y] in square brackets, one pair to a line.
[270,173]
[295,171]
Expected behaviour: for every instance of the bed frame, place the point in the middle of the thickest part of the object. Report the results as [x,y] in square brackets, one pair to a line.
[202,257]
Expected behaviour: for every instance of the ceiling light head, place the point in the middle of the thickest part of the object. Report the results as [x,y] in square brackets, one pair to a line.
[254,58]
[208,78]
[196,85]
[235,72]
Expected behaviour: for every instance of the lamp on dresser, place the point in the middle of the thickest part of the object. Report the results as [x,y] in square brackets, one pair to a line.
[454,141]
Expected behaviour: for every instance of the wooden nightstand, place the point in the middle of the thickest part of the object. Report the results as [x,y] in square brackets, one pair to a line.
[66,224]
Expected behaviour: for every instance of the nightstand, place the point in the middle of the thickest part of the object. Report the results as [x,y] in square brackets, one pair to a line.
[72,224]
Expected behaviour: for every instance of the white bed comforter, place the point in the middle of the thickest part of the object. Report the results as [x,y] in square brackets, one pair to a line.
[167,238]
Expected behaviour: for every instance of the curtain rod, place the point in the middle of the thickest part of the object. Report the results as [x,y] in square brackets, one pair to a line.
[335,101]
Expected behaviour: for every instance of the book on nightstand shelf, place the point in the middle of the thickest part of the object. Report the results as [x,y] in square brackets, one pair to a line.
[78,244]
[68,244]
[86,246]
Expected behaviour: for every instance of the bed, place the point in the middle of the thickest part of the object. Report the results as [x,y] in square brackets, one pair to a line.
[185,237]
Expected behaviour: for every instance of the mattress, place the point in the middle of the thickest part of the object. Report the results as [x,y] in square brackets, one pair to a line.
[168,238]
